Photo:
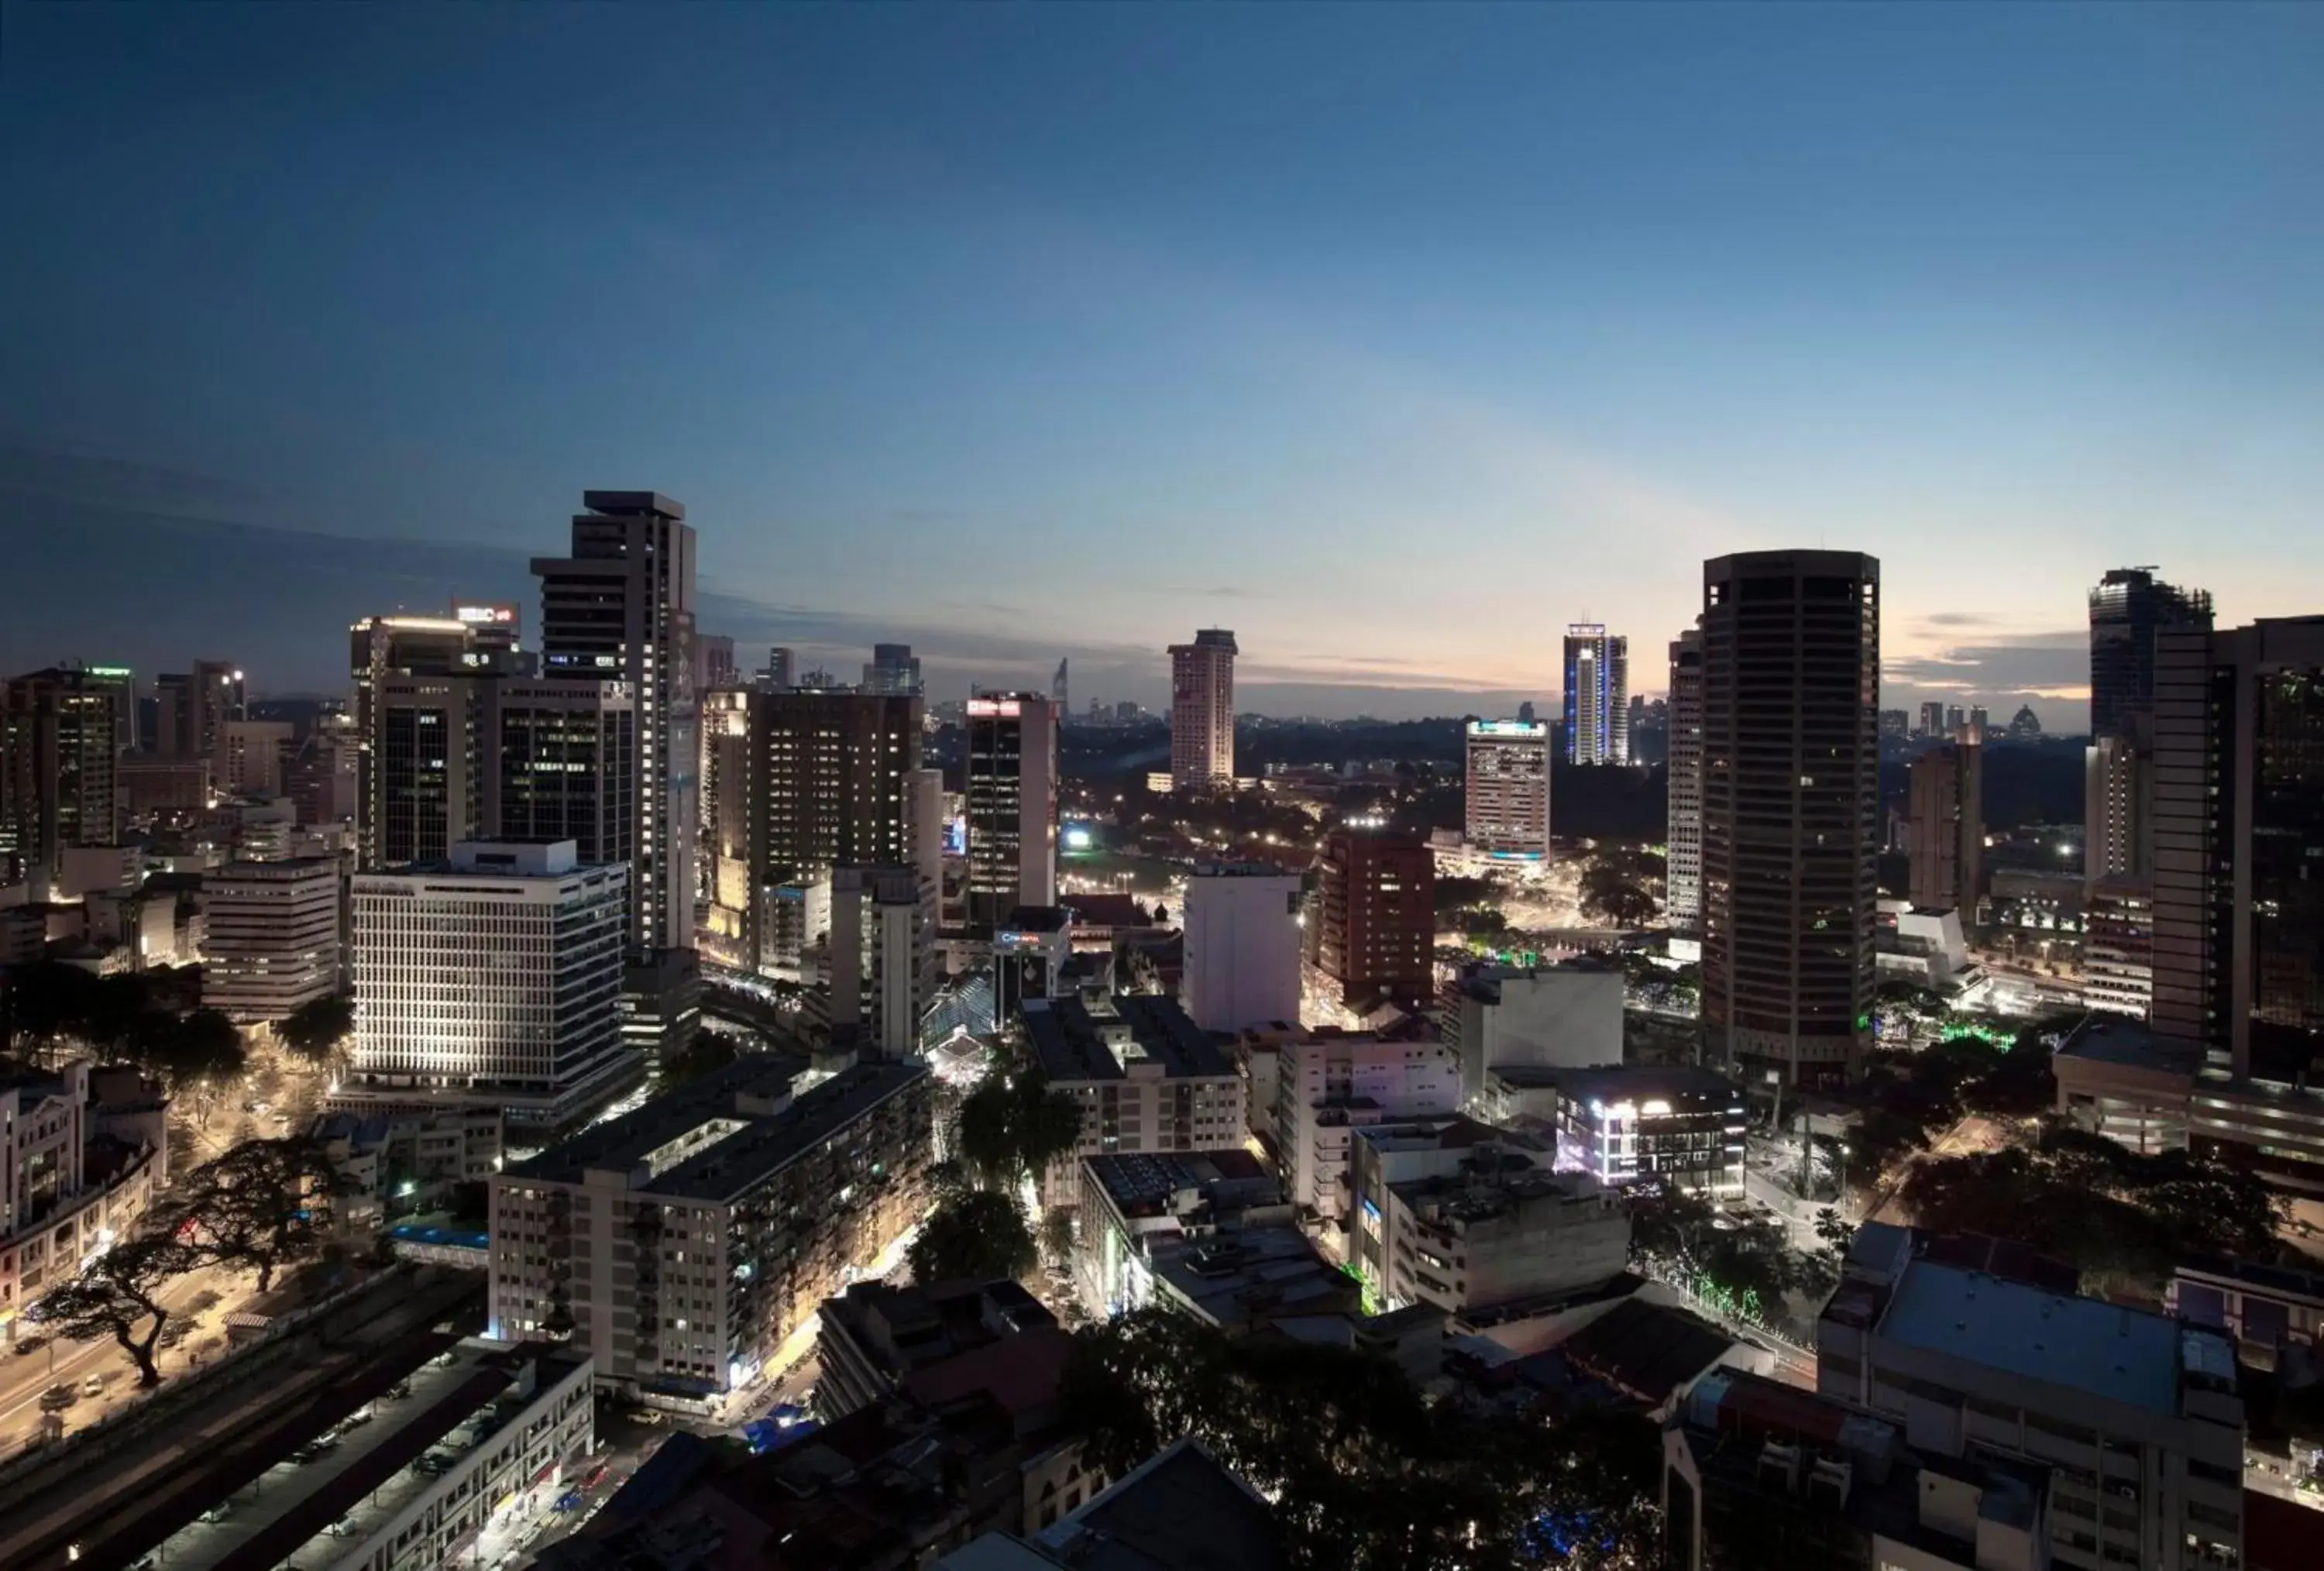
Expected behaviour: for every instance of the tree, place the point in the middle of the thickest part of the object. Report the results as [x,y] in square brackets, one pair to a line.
[975,1235]
[199,1054]
[1014,1126]
[118,1294]
[264,1205]
[1836,1231]
[1057,1237]
[1360,1471]
[706,1053]
[318,1029]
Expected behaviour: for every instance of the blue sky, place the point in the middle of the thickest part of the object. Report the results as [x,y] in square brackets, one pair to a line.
[1393,338]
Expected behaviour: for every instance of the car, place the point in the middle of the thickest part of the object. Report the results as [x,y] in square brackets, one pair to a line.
[93,1386]
[59,1397]
[646,1416]
[595,1477]
[218,1512]
[32,1343]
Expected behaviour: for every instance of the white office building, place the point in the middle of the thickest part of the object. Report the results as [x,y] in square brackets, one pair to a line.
[274,942]
[1683,888]
[1331,1084]
[1241,924]
[1507,789]
[493,979]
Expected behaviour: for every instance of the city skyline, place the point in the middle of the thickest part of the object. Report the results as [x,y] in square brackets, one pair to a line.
[1558,346]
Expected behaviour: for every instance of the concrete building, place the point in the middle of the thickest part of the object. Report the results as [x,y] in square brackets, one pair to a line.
[1947,849]
[389,649]
[874,1337]
[880,961]
[1461,1217]
[458,1460]
[1013,806]
[409,1160]
[802,782]
[1332,1084]
[892,670]
[250,757]
[493,980]
[84,1152]
[1569,1015]
[274,939]
[194,707]
[1597,695]
[1149,1080]
[2129,609]
[682,1243]
[1202,711]
[622,607]
[1672,1125]
[63,733]
[1791,809]
[1242,940]
[2118,803]
[1683,888]
[1506,813]
[1758,1473]
[2135,1415]
[1129,1204]
[2118,947]
[559,760]
[1373,938]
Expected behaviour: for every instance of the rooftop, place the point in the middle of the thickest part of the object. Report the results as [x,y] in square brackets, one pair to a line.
[1182,1510]
[1140,1184]
[734,1128]
[2087,1345]
[2108,1039]
[1237,1276]
[1074,1042]
[1624,1082]
[1647,1350]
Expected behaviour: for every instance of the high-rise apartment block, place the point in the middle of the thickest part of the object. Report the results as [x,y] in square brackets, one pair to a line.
[1947,850]
[1597,695]
[1013,806]
[2134,1416]
[801,781]
[195,704]
[62,734]
[274,942]
[2119,946]
[1373,938]
[493,979]
[1202,711]
[1148,1079]
[1241,927]
[880,958]
[893,670]
[1682,886]
[2119,801]
[1507,789]
[1933,722]
[1791,647]
[621,606]
[681,1244]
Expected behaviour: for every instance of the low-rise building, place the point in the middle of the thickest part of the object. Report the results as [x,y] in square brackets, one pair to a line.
[84,1152]
[1130,1204]
[681,1243]
[1148,1079]
[1332,1083]
[874,1337]
[1569,1015]
[1671,1125]
[2119,1077]
[2135,1415]
[451,1454]
[403,1161]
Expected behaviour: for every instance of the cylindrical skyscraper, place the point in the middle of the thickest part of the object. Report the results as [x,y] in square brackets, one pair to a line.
[1791,806]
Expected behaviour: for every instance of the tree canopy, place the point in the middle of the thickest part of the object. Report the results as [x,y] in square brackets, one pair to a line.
[317,1028]
[120,1296]
[1361,1471]
[264,1204]
[1013,1126]
[972,1235]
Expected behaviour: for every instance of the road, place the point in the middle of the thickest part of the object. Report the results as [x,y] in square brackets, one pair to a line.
[24,1376]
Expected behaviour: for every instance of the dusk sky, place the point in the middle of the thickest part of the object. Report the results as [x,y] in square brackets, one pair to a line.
[1394,339]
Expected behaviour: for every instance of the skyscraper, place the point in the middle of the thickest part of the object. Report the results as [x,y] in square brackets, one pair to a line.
[63,733]
[1507,789]
[1791,645]
[1932,720]
[893,670]
[1013,806]
[194,705]
[622,607]
[2118,802]
[781,665]
[1980,722]
[1060,694]
[1373,937]
[559,758]
[424,769]
[714,663]
[1682,897]
[1597,695]
[381,649]
[1947,849]
[2127,609]
[1202,711]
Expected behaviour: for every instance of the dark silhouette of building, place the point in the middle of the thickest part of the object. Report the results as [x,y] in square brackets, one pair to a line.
[2127,609]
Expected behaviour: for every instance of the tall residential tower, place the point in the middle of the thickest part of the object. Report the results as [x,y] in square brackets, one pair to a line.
[1507,789]
[1202,711]
[1597,695]
[1684,897]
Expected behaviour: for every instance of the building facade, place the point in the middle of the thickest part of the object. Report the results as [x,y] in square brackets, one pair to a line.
[682,1243]
[2118,947]
[1013,806]
[84,1152]
[1332,1084]
[1683,887]
[560,763]
[1202,711]
[1373,935]
[1597,695]
[1791,811]
[1946,786]
[274,941]
[1507,810]
[2128,609]
[1148,1079]
[494,978]
[621,606]
[1242,928]
[62,734]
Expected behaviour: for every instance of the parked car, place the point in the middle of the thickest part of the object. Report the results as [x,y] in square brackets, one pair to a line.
[93,1386]
[32,1343]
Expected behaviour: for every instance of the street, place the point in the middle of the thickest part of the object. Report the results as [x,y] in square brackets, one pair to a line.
[23,1376]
